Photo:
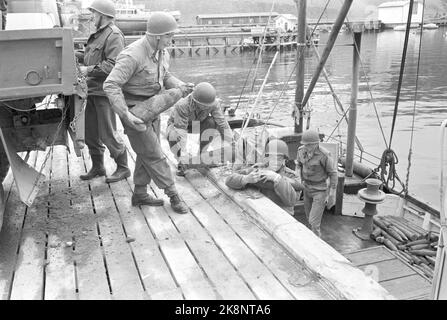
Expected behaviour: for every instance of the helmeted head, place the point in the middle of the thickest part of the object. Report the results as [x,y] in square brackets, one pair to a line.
[163,26]
[275,154]
[310,141]
[310,137]
[101,8]
[204,94]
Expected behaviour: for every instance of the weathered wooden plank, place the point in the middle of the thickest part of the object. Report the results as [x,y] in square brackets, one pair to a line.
[409,287]
[227,282]
[122,270]
[60,282]
[10,234]
[90,262]
[154,270]
[28,283]
[390,269]
[369,256]
[299,281]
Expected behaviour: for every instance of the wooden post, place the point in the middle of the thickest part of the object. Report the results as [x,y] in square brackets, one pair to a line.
[352,123]
[327,50]
[301,40]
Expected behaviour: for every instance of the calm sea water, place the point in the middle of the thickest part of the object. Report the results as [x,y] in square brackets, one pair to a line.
[381,58]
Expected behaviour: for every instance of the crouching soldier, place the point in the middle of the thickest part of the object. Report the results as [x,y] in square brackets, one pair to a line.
[272,177]
[199,110]
[316,166]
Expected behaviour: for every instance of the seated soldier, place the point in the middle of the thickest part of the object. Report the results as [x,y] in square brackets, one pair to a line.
[272,177]
[199,108]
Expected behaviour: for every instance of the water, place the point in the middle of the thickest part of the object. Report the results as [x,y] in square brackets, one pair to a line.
[381,57]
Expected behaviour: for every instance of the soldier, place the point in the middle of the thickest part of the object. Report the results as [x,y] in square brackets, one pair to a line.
[202,108]
[103,46]
[3,9]
[315,166]
[272,177]
[141,72]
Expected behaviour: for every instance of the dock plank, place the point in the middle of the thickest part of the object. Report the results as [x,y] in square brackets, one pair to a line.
[28,282]
[298,280]
[89,257]
[60,282]
[123,272]
[155,273]
[10,234]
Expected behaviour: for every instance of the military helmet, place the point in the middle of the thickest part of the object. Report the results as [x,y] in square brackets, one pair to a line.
[105,7]
[161,23]
[277,146]
[309,137]
[205,94]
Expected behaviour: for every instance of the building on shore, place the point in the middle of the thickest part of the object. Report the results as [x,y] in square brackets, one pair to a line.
[395,13]
[286,22]
[236,18]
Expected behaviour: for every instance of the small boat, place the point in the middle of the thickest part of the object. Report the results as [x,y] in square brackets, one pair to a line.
[431,26]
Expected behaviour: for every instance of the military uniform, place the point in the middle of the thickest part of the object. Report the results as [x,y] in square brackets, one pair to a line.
[3,9]
[185,112]
[141,72]
[314,175]
[101,51]
[284,191]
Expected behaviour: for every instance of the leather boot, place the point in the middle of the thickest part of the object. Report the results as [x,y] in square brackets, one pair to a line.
[97,169]
[176,203]
[122,170]
[181,170]
[146,199]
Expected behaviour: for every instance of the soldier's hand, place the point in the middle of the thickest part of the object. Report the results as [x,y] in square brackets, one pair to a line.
[134,122]
[252,177]
[268,175]
[186,88]
[84,70]
[331,199]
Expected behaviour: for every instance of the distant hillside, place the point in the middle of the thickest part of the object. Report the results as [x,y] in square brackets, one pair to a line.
[191,8]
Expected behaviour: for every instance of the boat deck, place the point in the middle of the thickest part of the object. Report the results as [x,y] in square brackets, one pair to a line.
[84,240]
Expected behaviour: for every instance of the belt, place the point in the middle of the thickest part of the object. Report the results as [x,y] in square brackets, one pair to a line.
[313,183]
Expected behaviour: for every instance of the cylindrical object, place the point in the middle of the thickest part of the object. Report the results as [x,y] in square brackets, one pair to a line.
[300,65]
[352,119]
[339,194]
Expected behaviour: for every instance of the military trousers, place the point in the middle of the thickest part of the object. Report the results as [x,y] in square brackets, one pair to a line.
[151,163]
[100,127]
[314,203]
[207,123]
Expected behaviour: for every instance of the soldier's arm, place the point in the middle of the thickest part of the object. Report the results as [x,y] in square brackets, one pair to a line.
[112,48]
[285,191]
[124,69]
[332,173]
[236,180]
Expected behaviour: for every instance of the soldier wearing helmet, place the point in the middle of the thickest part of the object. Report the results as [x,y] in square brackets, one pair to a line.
[316,166]
[101,50]
[271,177]
[199,111]
[141,72]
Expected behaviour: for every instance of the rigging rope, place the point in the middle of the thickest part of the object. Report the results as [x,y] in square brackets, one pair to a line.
[410,151]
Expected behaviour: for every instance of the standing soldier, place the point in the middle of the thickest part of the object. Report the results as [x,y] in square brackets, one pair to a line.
[141,72]
[200,107]
[315,166]
[3,9]
[101,51]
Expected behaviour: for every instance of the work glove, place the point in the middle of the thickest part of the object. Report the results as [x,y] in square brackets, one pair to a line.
[134,122]
[186,89]
[331,199]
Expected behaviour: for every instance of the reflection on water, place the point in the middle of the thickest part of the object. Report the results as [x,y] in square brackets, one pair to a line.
[381,56]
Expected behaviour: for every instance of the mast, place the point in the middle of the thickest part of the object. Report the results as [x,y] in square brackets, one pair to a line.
[301,42]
